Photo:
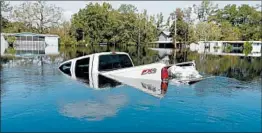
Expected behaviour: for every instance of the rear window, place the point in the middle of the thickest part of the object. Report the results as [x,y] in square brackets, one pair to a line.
[111,62]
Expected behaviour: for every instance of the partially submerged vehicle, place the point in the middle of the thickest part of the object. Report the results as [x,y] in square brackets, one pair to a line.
[112,69]
[184,73]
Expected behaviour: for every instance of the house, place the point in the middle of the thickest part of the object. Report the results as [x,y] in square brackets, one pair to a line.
[4,45]
[31,43]
[165,36]
[220,47]
[164,45]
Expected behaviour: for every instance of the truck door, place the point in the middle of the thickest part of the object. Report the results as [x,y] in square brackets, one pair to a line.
[82,69]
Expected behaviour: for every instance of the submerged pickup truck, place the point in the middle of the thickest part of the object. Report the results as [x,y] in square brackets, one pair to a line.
[111,69]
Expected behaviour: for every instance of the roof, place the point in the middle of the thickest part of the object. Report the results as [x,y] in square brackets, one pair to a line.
[98,54]
[230,41]
[164,42]
[30,34]
[167,33]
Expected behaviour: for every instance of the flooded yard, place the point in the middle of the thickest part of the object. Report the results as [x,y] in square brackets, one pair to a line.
[40,98]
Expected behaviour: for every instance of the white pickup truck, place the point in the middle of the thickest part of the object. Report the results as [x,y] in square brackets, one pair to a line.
[111,69]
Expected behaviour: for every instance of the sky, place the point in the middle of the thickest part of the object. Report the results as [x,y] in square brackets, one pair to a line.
[152,7]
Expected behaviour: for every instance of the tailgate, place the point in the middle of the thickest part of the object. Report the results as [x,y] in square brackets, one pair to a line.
[149,72]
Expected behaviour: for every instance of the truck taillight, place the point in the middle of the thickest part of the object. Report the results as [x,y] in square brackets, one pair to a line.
[164,86]
[164,74]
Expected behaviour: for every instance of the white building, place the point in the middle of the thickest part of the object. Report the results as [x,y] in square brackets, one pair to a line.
[4,45]
[164,45]
[31,43]
[218,47]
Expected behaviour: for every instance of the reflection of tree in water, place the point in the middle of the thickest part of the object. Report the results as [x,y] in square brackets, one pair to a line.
[30,76]
[1,83]
[223,86]
[241,68]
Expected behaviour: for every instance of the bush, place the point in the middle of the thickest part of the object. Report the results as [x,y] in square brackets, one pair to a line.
[247,48]
[10,39]
[11,51]
[228,49]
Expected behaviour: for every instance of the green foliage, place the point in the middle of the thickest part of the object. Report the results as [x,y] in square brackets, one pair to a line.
[208,31]
[126,29]
[229,33]
[122,28]
[182,28]
[11,51]
[10,39]
[245,69]
[247,48]
[205,9]
[239,23]
[228,48]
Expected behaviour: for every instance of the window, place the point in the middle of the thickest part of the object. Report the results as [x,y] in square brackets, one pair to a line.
[110,62]
[38,38]
[82,69]
[66,68]
[29,38]
[104,82]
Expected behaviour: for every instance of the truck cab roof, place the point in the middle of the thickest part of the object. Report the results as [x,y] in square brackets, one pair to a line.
[97,54]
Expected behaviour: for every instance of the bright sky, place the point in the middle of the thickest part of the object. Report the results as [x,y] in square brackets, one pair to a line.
[152,7]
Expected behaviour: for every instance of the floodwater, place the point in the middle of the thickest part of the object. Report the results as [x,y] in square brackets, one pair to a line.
[35,98]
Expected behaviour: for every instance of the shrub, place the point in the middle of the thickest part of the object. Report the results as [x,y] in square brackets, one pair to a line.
[247,48]
[10,39]
[228,48]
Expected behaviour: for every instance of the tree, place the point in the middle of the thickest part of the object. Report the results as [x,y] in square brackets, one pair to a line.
[127,8]
[208,31]
[228,32]
[181,27]
[240,23]
[159,23]
[188,15]
[123,29]
[38,14]
[205,9]
[5,7]
[247,48]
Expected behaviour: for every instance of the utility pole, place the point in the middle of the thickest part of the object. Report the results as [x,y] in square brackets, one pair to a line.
[0,29]
[138,44]
[83,35]
[174,50]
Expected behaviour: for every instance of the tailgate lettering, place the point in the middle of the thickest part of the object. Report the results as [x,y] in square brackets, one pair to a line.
[148,71]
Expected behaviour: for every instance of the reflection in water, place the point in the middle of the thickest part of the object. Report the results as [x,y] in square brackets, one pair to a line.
[241,68]
[151,87]
[222,86]
[215,104]
[30,78]
[94,110]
